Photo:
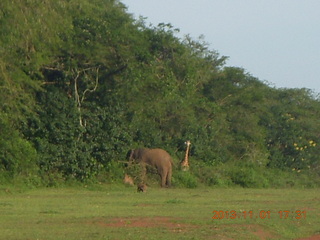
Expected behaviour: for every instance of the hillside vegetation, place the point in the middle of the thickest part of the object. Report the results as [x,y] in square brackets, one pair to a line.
[82,82]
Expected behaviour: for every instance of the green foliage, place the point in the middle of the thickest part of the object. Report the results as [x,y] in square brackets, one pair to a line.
[184,179]
[17,156]
[82,82]
[248,176]
[212,175]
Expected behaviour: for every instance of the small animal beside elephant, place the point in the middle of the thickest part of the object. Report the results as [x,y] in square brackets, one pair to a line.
[158,158]
[142,187]
[128,180]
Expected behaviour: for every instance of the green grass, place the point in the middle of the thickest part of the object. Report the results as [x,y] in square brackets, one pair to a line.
[118,212]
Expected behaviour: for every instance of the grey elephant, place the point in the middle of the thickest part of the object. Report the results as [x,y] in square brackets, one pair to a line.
[158,158]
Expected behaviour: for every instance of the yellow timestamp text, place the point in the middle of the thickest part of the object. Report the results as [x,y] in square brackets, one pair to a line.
[262,214]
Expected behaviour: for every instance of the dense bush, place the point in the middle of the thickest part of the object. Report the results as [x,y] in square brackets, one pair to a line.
[82,82]
[184,179]
[17,156]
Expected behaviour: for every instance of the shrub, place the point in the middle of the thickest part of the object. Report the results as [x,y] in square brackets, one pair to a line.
[17,155]
[184,179]
[248,177]
[211,175]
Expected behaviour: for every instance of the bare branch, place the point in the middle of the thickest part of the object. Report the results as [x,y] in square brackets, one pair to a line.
[95,87]
[79,100]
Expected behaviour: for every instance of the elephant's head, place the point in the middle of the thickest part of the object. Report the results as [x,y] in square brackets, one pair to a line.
[129,156]
[135,155]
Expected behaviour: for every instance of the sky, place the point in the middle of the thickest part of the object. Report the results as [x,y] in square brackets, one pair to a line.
[277,41]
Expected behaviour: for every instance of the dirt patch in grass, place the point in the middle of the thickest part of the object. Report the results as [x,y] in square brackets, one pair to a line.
[175,225]
[146,222]
[257,230]
[260,232]
[315,237]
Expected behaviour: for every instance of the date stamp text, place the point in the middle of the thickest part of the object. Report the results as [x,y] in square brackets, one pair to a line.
[262,214]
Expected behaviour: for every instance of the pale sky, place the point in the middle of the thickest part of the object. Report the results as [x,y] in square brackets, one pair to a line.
[277,41]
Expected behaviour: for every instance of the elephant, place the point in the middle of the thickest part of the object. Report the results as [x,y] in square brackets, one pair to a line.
[158,158]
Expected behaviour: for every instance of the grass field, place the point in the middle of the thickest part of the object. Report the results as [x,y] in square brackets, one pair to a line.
[119,212]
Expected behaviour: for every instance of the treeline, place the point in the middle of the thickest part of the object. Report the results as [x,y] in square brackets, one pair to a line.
[82,82]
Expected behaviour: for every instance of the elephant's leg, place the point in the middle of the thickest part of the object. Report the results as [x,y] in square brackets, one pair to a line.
[163,176]
[163,180]
[168,178]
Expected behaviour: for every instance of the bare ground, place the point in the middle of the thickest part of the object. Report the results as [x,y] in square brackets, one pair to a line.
[174,225]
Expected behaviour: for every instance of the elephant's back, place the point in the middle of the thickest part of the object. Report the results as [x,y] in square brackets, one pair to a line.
[159,153]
